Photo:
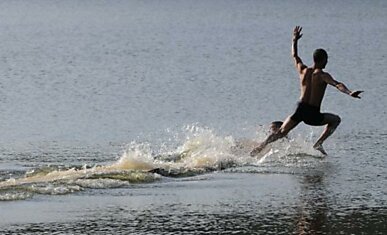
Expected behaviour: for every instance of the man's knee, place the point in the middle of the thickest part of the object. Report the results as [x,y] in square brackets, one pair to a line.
[335,121]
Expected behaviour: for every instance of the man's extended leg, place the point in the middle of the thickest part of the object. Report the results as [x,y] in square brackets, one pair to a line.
[332,121]
[287,126]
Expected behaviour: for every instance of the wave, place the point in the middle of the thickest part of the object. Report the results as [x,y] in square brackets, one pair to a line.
[200,151]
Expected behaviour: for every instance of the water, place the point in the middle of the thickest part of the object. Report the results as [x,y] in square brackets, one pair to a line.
[123,117]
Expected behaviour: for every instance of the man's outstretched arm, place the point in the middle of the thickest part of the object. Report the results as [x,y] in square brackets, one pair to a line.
[341,86]
[297,60]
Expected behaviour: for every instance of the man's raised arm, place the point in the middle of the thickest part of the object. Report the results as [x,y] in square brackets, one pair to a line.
[297,60]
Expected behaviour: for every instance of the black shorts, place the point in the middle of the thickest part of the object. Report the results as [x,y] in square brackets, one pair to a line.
[309,114]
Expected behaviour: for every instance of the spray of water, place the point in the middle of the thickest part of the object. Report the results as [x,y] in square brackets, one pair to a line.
[199,150]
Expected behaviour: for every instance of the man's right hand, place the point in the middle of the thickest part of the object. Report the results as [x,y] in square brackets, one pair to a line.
[297,33]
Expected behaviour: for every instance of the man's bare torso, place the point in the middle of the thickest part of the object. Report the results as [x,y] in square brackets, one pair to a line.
[312,86]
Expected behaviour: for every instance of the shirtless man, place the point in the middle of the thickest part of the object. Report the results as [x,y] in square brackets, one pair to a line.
[313,82]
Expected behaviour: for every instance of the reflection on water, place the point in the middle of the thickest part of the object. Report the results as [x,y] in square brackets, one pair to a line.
[194,206]
[317,215]
[179,219]
[313,205]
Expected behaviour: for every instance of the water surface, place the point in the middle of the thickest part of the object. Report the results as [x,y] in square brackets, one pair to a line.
[124,117]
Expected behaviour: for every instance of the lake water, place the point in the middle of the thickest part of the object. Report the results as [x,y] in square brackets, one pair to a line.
[121,117]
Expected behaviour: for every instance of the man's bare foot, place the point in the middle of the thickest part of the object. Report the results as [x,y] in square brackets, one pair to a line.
[320,148]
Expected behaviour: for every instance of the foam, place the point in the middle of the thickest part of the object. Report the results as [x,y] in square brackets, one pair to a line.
[200,150]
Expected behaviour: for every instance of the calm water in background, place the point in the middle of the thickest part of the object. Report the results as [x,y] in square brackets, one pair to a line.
[86,83]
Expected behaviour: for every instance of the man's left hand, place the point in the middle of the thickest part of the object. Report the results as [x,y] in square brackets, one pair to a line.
[356,94]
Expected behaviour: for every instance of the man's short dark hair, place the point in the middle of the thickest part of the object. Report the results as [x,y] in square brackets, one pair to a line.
[320,56]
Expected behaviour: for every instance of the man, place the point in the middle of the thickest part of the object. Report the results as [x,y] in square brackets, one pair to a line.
[313,82]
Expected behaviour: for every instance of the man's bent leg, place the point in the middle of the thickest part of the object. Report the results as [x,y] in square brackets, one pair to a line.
[332,121]
[287,126]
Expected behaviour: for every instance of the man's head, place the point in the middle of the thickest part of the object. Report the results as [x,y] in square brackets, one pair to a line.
[320,58]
